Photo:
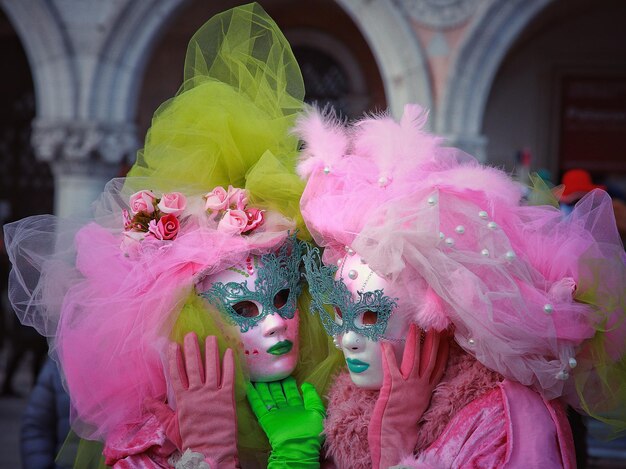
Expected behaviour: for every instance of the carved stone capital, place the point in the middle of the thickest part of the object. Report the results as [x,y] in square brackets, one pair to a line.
[83,142]
[97,170]
[440,14]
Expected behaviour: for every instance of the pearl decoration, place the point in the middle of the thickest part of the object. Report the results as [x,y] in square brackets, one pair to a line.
[350,252]
[484,253]
[432,200]
[441,235]
[472,342]
[339,262]
[449,242]
[482,214]
[353,274]
[492,225]
[572,362]
[383,181]
[460,229]
[562,375]
[548,308]
[326,169]
[510,255]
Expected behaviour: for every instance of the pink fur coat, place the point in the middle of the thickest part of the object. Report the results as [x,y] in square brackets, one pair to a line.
[471,421]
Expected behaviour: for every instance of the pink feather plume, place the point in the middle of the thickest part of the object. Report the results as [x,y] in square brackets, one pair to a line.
[396,146]
[325,141]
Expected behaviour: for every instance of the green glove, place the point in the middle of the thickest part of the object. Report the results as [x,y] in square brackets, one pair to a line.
[293,424]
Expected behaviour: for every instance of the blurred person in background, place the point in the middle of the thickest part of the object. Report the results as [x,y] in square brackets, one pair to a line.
[45,421]
[578,182]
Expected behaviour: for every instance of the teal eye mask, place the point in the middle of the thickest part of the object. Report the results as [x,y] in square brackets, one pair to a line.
[276,289]
[367,316]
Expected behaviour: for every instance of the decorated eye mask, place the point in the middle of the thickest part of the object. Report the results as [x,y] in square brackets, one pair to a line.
[367,316]
[275,290]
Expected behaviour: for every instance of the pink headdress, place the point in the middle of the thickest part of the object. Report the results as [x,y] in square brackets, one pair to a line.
[107,292]
[120,284]
[461,250]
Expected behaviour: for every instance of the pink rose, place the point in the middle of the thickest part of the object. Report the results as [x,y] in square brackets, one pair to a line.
[142,201]
[237,198]
[173,203]
[166,228]
[255,219]
[217,199]
[233,221]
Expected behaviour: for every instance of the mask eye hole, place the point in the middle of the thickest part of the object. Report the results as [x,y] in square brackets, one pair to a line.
[280,299]
[370,318]
[246,309]
[338,313]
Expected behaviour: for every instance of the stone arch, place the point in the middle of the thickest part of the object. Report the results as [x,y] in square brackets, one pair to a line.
[398,54]
[86,86]
[47,49]
[125,54]
[471,75]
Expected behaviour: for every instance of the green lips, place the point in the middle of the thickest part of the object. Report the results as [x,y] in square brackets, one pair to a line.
[356,366]
[281,348]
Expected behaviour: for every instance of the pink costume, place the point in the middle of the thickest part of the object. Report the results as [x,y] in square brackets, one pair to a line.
[475,420]
[112,292]
[535,301]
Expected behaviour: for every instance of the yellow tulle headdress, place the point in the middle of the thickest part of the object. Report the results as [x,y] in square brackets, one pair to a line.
[230,124]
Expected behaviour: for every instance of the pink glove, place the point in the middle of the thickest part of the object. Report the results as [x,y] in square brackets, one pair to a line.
[205,419]
[405,396]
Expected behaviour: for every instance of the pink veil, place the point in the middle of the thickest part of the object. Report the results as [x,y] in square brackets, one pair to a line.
[535,296]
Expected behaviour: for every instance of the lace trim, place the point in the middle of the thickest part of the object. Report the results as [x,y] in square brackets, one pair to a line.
[188,460]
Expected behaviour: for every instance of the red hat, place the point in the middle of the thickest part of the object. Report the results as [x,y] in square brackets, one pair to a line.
[577,183]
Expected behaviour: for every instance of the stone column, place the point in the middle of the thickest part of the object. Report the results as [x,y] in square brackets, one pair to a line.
[400,59]
[83,157]
[87,59]
[492,32]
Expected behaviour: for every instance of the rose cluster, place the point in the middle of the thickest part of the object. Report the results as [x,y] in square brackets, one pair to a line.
[151,216]
[231,211]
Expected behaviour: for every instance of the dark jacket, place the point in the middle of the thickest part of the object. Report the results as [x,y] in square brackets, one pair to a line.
[45,421]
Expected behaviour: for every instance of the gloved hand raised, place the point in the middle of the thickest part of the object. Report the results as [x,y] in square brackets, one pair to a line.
[292,423]
[405,395]
[205,418]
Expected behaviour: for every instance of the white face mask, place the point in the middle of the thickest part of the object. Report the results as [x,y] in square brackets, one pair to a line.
[268,329]
[364,355]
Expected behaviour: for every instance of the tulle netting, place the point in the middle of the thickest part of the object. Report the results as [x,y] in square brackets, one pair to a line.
[241,94]
[109,303]
[535,296]
[110,309]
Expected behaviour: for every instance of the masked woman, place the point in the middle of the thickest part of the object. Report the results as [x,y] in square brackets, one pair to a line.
[419,237]
[211,207]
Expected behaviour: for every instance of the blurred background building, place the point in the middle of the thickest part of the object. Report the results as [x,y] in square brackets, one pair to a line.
[521,84]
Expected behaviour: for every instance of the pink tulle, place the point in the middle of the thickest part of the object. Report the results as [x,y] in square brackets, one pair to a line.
[108,309]
[432,219]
